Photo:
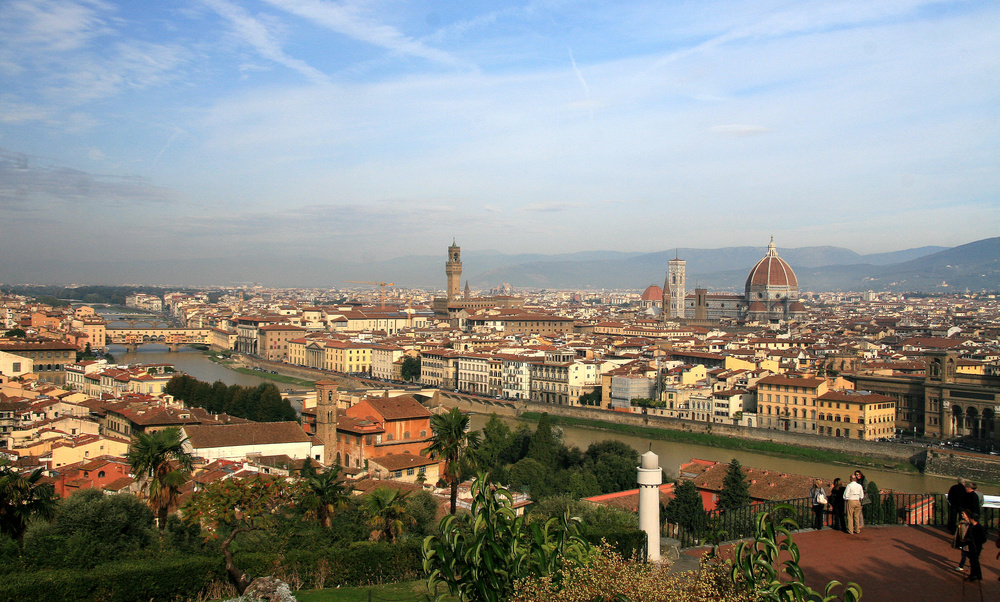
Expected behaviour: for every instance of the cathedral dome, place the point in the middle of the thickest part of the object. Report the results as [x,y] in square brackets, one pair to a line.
[772,278]
[652,293]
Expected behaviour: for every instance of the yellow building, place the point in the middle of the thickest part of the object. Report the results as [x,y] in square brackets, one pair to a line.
[788,402]
[856,415]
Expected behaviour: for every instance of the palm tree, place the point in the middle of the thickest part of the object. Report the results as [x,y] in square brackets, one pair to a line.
[450,440]
[161,465]
[387,514]
[325,493]
[21,499]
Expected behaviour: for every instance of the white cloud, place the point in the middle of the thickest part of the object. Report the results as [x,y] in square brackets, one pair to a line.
[352,21]
[255,33]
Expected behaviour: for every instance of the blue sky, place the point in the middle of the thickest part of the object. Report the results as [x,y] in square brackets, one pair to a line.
[374,129]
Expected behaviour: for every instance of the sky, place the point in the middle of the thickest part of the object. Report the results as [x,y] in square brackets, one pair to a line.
[362,130]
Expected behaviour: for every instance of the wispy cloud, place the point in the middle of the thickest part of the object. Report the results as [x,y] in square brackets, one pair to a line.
[351,20]
[256,34]
[32,184]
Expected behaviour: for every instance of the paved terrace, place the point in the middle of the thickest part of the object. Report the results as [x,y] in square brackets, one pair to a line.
[908,563]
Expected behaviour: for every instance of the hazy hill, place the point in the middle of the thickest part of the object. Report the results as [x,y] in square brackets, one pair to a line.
[975,266]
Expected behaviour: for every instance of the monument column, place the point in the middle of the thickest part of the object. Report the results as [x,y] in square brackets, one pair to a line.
[650,477]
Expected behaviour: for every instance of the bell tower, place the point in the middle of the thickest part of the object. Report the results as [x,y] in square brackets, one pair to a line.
[676,269]
[453,269]
[326,418]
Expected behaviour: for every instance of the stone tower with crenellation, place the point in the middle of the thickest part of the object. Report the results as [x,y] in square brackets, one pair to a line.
[453,269]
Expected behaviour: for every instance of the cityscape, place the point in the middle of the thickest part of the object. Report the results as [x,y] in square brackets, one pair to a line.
[344,300]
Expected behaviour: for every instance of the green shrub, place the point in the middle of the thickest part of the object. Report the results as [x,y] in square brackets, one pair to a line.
[360,563]
[165,579]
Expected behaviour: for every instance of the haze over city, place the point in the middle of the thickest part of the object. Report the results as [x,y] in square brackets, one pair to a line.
[267,132]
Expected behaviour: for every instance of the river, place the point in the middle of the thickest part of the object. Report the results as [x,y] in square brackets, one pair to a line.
[673,455]
[188,360]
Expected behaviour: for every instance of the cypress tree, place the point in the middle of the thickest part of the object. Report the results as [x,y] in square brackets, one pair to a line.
[735,491]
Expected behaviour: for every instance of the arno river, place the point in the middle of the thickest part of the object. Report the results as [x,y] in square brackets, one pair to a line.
[671,454]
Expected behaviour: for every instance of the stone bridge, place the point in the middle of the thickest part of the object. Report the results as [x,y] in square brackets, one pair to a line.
[174,338]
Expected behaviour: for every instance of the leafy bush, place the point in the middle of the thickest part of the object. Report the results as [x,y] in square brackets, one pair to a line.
[161,579]
[89,528]
[360,563]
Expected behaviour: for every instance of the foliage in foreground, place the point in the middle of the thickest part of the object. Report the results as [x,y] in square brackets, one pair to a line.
[480,556]
[758,565]
[609,576]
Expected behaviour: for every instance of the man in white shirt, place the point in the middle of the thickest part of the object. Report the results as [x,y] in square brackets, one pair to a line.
[853,494]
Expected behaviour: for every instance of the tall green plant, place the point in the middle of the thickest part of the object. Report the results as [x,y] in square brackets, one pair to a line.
[449,443]
[479,557]
[757,564]
[22,498]
[161,465]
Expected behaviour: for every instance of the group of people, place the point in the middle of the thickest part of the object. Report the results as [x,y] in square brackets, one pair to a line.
[964,505]
[846,503]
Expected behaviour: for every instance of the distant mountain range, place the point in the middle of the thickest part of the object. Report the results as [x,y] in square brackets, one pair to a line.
[974,266]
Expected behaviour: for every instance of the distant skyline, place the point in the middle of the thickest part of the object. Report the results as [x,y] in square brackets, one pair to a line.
[355,131]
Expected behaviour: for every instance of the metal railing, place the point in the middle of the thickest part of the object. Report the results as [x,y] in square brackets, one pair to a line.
[892,508]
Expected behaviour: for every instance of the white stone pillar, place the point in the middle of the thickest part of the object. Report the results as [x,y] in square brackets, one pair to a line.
[650,477]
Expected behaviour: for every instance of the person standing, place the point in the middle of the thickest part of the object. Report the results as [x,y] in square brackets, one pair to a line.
[866,499]
[961,529]
[819,501]
[836,499]
[970,501]
[853,494]
[975,538]
[955,496]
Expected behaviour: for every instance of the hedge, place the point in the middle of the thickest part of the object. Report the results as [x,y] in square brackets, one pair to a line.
[125,581]
[357,564]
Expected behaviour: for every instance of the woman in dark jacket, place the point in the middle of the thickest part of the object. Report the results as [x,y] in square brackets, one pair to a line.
[836,499]
[819,501]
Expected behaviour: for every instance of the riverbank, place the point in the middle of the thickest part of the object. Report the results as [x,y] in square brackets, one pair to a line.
[747,445]
[224,361]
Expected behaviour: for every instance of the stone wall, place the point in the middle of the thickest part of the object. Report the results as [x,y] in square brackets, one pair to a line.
[974,467]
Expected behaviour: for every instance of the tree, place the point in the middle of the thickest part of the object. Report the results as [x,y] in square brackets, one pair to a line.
[90,527]
[480,557]
[544,443]
[449,442]
[387,513]
[161,465]
[22,499]
[686,509]
[324,493]
[410,370]
[15,333]
[241,505]
[735,491]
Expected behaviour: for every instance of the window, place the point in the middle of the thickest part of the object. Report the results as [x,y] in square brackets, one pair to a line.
[398,474]
[409,472]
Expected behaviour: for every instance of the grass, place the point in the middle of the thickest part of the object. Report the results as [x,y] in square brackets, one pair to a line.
[281,378]
[390,592]
[761,447]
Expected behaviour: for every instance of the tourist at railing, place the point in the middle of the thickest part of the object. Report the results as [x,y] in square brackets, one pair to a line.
[975,538]
[961,530]
[955,497]
[836,499]
[865,498]
[818,497]
[854,494]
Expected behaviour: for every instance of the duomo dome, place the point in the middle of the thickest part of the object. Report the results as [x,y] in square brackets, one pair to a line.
[771,279]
